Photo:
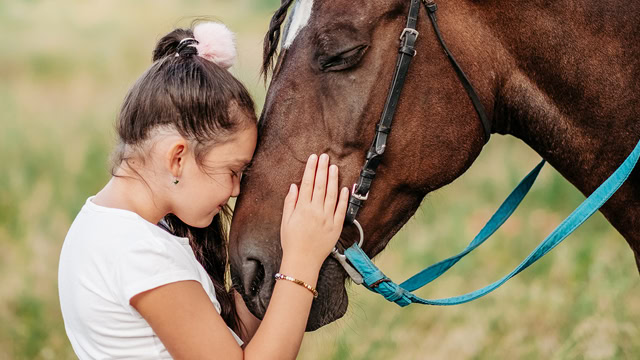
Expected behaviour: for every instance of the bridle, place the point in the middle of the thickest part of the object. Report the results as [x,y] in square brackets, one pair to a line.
[358,264]
[406,52]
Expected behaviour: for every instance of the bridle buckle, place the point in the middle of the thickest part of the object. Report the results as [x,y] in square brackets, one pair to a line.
[409,30]
[358,196]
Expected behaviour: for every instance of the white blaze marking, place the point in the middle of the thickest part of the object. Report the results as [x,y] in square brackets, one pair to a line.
[300,18]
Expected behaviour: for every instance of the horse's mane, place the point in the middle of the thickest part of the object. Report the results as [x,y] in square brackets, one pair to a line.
[271,39]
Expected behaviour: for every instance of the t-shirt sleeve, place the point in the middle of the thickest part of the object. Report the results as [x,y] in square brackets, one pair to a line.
[147,264]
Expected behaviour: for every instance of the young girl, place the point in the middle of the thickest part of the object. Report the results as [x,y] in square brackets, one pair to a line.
[133,289]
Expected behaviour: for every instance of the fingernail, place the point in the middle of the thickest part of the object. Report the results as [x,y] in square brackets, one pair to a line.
[324,157]
[312,156]
[292,187]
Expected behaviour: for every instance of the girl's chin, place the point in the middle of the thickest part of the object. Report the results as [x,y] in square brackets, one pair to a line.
[206,221]
[212,215]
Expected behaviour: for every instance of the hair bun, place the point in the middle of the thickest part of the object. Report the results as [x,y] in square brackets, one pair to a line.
[216,43]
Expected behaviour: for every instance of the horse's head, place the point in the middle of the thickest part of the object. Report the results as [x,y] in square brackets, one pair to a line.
[326,95]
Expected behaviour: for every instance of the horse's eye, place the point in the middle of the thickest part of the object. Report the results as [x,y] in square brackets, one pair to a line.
[343,60]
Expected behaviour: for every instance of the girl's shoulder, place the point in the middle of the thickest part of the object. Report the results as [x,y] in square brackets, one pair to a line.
[108,236]
[121,227]
[120,243]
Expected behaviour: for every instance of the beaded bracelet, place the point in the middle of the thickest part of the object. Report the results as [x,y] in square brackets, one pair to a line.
[279,276]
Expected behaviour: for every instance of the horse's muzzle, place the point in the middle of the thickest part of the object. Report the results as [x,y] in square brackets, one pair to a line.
[253,270]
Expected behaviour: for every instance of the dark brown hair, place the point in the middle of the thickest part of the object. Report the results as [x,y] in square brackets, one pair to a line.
[200,100]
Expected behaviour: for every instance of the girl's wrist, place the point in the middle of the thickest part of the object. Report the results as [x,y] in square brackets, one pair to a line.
[301,269]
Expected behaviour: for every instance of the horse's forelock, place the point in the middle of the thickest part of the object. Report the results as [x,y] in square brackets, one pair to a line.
[271,39]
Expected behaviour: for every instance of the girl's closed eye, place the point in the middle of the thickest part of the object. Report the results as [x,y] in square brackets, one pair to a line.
[241,171]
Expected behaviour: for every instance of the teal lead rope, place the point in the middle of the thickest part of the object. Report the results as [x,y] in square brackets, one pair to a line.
[402,294]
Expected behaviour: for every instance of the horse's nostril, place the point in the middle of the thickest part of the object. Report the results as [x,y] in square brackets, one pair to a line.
[253,276]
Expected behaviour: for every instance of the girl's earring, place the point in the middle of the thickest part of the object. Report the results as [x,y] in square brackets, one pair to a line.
[176,181]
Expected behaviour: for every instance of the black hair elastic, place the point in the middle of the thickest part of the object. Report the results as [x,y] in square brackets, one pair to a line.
[186,47]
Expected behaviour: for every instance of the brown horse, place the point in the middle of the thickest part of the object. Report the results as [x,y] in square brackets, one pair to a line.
[561,75]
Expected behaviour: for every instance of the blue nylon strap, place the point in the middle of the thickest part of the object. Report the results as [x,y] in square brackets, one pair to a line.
[376,281]
[504,212]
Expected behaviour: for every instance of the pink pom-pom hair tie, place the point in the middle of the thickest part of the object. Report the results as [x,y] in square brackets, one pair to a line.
[214,42]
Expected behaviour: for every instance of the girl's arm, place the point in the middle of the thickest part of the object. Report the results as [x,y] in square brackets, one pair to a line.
[184,319]
[187,323]
[249,322]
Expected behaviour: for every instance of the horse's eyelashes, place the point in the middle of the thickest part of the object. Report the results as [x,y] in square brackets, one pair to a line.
[343,60]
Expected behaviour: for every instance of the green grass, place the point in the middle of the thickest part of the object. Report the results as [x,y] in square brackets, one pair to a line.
[65,67]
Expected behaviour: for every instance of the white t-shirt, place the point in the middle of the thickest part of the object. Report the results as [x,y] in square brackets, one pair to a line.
[108,256]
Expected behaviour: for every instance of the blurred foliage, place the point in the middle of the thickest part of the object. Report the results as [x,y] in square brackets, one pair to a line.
[65,67]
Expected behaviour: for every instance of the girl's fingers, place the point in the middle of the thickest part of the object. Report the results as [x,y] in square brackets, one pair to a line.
[289,203]
[332,191]
[341,209]
[306,186]
[320,184]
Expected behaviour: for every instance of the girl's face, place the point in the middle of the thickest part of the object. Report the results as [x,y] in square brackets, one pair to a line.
[204,189]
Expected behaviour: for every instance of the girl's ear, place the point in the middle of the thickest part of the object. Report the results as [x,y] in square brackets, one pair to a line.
[176,157]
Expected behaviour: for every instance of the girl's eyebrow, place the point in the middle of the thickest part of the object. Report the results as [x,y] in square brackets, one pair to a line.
[235,165]
[235,162]
[244,163]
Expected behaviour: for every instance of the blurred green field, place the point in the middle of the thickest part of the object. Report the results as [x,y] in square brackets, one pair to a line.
[64,68]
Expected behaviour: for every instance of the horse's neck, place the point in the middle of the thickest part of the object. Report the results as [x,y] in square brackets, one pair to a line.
[569,90]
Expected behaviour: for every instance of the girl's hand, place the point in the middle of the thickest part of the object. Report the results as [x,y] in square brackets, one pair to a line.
[311,220]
